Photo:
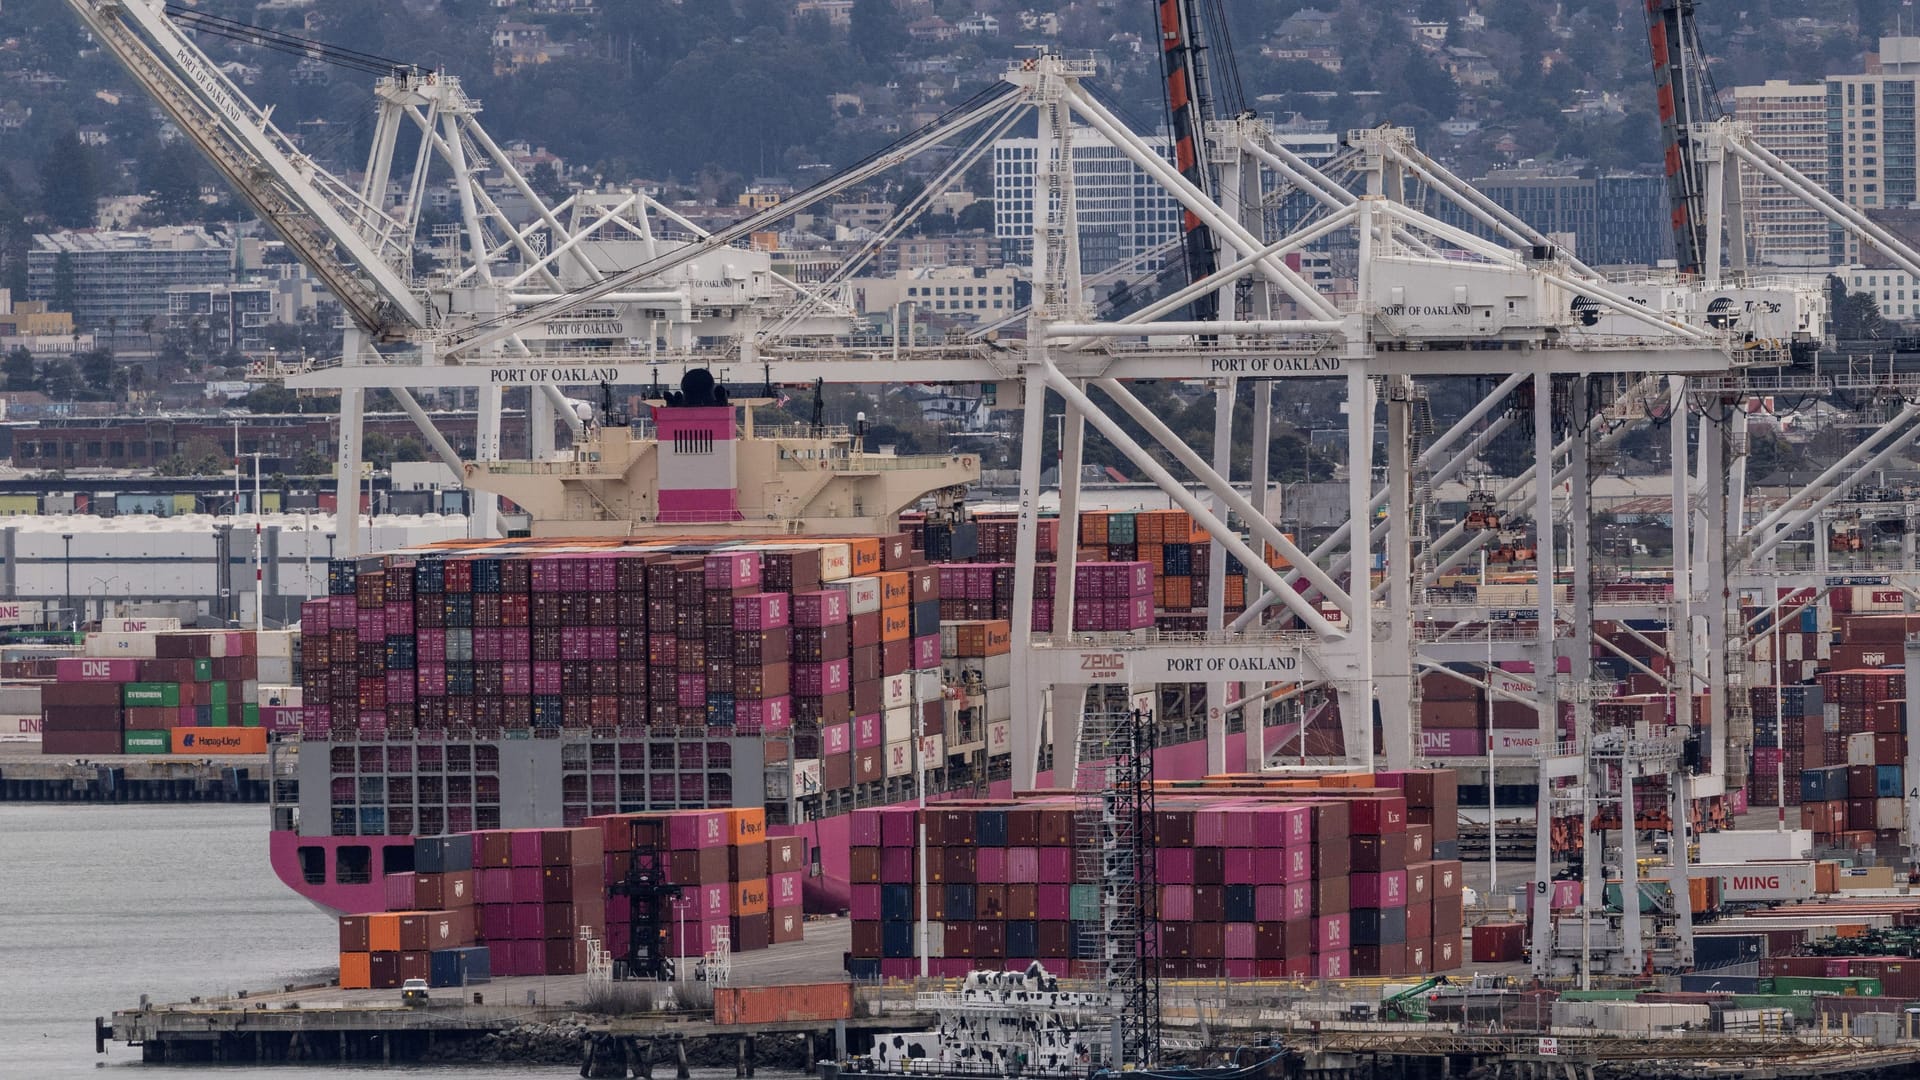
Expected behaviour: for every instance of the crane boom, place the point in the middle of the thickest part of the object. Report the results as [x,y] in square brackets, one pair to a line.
[354,246]
[1684,98]
[1189,101]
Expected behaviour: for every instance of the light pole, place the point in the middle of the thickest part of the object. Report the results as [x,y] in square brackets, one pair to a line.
[66,603]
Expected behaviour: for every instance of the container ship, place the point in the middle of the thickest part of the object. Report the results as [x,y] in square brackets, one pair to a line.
[702,612]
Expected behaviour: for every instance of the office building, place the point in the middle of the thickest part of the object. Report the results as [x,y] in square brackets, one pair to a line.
[118,281]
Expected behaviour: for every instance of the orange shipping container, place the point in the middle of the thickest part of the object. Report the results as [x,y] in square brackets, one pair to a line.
[866,555]
[383,932]
[782,1004]
[990,637]
[356,971]
[896,624]
[749,826]
[750,897]
[228,740]
[896,589]
[1093,526]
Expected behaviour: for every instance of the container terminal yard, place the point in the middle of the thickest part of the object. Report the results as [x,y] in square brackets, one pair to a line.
[784,723]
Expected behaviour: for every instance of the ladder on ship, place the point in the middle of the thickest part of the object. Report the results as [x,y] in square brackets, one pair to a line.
[1115,841]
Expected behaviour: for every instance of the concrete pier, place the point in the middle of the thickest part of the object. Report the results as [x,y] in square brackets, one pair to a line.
[27,776]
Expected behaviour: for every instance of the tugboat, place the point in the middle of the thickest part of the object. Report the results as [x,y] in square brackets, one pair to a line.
[1018,1025]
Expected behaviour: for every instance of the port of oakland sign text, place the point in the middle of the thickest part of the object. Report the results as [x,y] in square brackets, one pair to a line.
[1275,365]
[517,375]
[1163,665]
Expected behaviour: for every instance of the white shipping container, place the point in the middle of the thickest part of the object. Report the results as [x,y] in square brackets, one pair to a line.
[22,613]
[896,692]
[20,700]
[1000,738]
[1887,814]
[806,777]
[1759,883]
[275,644]
[1755,845]
[863,594]
[275,694]
[836,562]
[1796,649]
[927,685]
[141,646]
[933,750]
[999,705]
[275,670]
[138,626]
[1823,644]
[1633,1017]
[899,758]
[1860,748]
[899,724]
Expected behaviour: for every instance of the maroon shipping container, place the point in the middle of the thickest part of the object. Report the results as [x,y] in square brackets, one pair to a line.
[1331,896]
[1377,853]
[353,933]
[80,742]
[1378,960]
[1501,943]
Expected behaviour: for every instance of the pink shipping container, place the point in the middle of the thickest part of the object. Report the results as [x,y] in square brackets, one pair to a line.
[1240,866]
[529,920]
[733,570]
[1023,864]
[1053,903]
[770,715]
[863,830]
[990,867]
[898,824]
[761,611]
[838,739]
[399,892]
[926,651]
[1176,903]
[529,956]
[1176,865]
[825,608]
[90,669]
[1056,865]
[691,690]
[314,617]
[1838,969]
[785,889]
[1298,864]
[1331,965]
[605,642]
[822,679]
[1379,815]
[896,865]
[867,732]
[1240,940]
[528,885]
[698,829]
[496,921]
[546,677]
[1299,900]
[516,677]
[523,846]
[864,903]
[1270,903]
[494,885]
[711,902]
[431,644]
[1241,969]
[1384,890]
[1332,933]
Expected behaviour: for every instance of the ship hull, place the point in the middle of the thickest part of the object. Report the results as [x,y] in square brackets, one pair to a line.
[342,874]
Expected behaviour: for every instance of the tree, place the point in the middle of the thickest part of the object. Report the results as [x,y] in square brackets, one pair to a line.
[19,370]
[69,183]
[877,29]
[63,288]
[1856,315]
[100,372]
[170,178]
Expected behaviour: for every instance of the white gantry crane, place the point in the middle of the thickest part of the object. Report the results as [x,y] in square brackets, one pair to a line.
[609,287]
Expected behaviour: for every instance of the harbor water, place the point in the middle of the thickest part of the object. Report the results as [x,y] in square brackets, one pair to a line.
[106,903]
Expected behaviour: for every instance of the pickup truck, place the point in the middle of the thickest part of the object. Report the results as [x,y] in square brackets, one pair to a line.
[413,992]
